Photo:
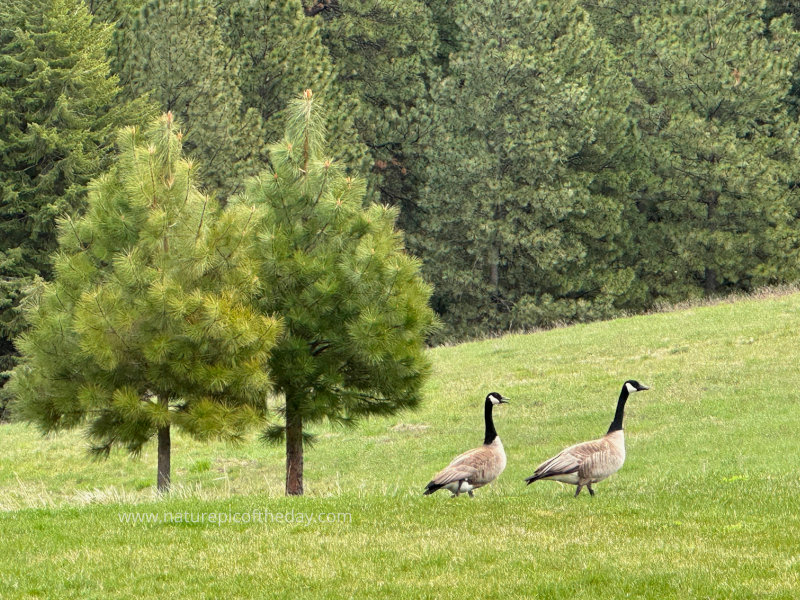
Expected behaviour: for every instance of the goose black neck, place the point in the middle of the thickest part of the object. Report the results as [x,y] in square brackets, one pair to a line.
[616,424]
[491,432]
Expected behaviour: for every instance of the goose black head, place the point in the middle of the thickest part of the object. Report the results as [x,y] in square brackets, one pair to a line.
[496,398]
[634,386]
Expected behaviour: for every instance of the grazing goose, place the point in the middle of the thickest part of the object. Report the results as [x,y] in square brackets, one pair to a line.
[477,467]
[590,462]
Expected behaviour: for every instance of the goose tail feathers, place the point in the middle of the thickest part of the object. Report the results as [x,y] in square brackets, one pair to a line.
[432,487]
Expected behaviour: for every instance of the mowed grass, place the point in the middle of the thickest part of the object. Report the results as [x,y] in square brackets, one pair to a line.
[706,506]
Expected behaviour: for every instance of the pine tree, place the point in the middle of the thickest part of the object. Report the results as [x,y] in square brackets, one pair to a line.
[353,304]
[386,54]
[525,219]
[174,52]
[60,109]
[148,324]
[280,52]
[721,145]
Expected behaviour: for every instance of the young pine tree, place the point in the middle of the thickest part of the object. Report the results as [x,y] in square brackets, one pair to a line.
[148,324]
[354,307]
[60,109]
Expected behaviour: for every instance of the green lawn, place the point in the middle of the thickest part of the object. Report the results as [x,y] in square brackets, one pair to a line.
[706,506]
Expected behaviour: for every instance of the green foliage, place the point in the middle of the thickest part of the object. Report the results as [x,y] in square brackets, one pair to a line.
[722,148]
[613,19]
[355,309]
[148,322]
[112,11]
[385,54]
[59,109]
[280,53]
[775,9]
[525,219]
[550,161]
[174,52]
[448,34]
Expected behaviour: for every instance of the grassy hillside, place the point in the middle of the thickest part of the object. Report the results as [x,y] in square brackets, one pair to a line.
[706,506]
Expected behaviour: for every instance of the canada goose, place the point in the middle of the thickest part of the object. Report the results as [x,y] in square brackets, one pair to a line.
[477,467]
[589,462]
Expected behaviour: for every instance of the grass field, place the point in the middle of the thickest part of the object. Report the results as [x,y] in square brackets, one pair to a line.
[706,506]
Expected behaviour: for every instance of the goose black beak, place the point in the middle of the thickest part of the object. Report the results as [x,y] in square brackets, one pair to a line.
[503,401]
[643,388]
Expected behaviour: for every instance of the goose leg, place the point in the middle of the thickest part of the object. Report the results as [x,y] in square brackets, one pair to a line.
[578,491]
[458,489]
[591,491]
[471,495]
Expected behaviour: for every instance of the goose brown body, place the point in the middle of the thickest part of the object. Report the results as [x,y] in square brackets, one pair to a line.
[586,463]
[471,470]
[477,467]
[590,462]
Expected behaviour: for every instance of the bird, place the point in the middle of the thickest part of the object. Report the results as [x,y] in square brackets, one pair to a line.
[477,467]
[590,462]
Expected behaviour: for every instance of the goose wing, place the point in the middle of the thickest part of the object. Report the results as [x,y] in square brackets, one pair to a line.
[451,474]
[567,461]
[463,466]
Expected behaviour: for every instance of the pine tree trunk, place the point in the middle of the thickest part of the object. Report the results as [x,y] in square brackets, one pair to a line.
[294,453]
[494,248]
[494,266]
[710,281]
[163,459]
[710,274]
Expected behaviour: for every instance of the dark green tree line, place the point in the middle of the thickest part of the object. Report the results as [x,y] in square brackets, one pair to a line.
[280,52]
[548,164]
[721,204]
[525,218]
[385,55]
[174,52]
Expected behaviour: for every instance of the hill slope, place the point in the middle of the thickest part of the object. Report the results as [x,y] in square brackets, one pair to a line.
[707,504]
